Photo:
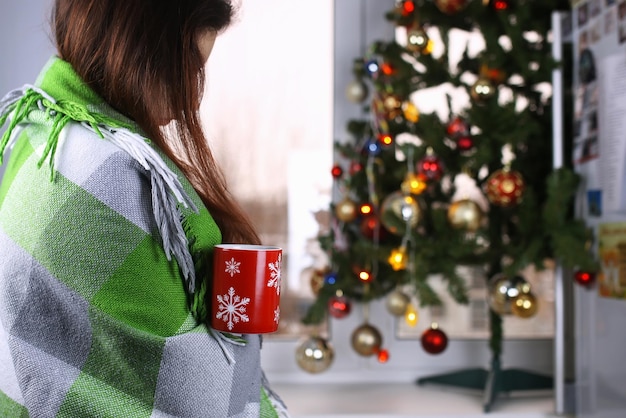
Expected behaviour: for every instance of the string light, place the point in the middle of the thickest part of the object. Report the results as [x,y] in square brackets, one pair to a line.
[383,355]
[366,209]
[414,184]
[365,276]
[337,171]
[386,139]
[398,258]
[372,67]
[330,278]
[500,5]
[386,68]
[408,7]
[411,316]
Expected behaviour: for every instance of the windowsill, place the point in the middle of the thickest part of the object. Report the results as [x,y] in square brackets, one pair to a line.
[406,400]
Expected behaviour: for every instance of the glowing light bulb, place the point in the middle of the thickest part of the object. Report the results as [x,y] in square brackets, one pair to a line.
[429,47]
[365,276]
[387,69]
[411,113]
[397,259]
[411,316]
[408,7]
[383,356]
[414,184]
[366,209]
[386,139]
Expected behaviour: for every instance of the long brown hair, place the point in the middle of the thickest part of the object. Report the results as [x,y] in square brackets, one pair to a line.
[142,57]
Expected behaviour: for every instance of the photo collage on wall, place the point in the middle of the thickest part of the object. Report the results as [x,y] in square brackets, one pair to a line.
[599,37]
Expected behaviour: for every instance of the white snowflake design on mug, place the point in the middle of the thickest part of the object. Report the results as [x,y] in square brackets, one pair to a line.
[232,308]
[275,280]
[277,314]
[232,267]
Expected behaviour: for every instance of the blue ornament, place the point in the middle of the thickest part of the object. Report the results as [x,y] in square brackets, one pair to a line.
[330,278]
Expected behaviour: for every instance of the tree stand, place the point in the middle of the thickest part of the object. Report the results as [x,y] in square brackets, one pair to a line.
[493,381]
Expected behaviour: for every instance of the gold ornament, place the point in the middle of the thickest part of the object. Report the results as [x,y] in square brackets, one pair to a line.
[522,285]
[314,355]
[356,91]
[397,303]
[398,258]
[503,290]
[482,90]
[465,214]
[366,340]
[416,40]
[411,113]
[399,212]
[524,305]
[346,210]
[392,106]
[317,281]
[414,184]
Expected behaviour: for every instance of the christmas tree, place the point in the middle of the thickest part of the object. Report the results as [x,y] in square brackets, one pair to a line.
[423,193]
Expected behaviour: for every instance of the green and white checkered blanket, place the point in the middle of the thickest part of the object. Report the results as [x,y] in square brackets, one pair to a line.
[101,240]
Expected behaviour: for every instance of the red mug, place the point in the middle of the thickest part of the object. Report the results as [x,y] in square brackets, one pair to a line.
[246,288]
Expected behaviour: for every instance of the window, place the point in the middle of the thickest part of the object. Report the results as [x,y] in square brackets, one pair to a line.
[268,114]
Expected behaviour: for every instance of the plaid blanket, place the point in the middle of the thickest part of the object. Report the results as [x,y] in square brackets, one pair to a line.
[101,240]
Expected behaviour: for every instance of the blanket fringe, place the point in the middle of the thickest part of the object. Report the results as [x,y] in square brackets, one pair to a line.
[224,337]
[167,191]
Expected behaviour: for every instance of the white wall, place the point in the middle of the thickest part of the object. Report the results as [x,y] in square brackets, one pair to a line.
[25,44]
[600,345]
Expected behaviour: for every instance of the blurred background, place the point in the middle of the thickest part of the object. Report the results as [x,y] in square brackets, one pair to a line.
[274,103]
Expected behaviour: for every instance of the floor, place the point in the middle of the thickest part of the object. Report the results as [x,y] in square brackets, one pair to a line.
[406,401]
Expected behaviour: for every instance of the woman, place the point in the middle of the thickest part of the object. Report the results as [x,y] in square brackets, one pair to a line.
[110,205]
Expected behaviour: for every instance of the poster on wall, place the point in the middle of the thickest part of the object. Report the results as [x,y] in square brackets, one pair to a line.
[612,256]
[599,39]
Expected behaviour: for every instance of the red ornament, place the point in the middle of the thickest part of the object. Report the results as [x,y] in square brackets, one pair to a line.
[465,143]
[336,171]
[459,131]
[339,306]
[505,188]
[431,167]
[451,6]
[370,225]
[383,355]
[457,127]
[434,340]
[584,278]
